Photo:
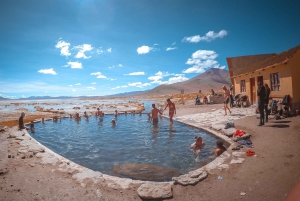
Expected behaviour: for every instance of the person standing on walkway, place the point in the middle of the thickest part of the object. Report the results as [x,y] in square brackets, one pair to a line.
[226,101]
[268,91]
[261,94]
[231,95]
[172,109]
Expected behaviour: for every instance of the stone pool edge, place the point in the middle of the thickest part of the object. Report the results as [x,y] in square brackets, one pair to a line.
[84,175]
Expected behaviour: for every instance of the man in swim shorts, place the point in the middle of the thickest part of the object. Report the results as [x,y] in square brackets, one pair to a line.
[226,101]
[172,109]
[155,112]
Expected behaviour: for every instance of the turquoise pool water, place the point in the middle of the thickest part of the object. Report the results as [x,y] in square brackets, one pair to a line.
[134,148]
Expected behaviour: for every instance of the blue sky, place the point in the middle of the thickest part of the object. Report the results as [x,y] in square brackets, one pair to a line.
[84,47]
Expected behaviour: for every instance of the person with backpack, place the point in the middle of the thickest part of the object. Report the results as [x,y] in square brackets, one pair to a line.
[267,90]
[261,94]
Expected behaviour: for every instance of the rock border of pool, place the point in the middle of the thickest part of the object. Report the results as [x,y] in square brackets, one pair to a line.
[146,189]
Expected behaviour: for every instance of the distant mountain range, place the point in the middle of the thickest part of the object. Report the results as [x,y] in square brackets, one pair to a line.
[68,97]
[213,78]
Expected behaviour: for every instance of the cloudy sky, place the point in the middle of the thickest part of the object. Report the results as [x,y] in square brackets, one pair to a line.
[85,47]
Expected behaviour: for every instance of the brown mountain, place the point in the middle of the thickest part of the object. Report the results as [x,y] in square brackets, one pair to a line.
[213,78]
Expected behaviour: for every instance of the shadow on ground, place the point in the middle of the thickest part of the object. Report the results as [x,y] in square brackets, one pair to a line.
[278,126]
[281,122]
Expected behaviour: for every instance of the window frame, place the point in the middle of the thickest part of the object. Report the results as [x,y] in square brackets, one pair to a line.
[242,86]
[275,81]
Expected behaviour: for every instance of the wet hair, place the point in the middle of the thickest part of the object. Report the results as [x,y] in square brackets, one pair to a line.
[168,100]
[153,105]
[220,144]
[198,137]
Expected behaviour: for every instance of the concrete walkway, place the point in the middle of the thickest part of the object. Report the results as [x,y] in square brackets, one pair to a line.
[216,116]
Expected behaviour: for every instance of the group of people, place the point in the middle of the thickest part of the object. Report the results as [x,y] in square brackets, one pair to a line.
[22,125]
[153,115]
[199,144]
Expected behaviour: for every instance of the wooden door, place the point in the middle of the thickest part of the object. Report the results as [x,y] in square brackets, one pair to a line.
[260,79]
[252,90]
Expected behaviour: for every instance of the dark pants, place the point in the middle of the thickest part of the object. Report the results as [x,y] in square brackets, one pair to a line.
[231,101]
[266,110]
[261,108]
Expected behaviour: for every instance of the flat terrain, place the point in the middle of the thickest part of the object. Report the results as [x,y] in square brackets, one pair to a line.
[269,175]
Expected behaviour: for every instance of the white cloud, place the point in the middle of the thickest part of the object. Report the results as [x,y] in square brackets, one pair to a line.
[112,79]
[157,78]
[64,48]
[47,71]
[174,43]
[109,50]
[201,61]
[136,73]
[91,88]
[110,67]
[73,64]
[120,65]
[99,75]
[82,49]
[93,83]
[99,50]
[70,85]
[171,48]
[73,90]
[138,84]
[209,36]
[77,84]
[118,87]
[155,44]
[144,49]
[172,80]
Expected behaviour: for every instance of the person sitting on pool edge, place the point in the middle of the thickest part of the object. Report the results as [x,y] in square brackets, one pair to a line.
[197,146]
[219,148]
[155,112]
[21,123]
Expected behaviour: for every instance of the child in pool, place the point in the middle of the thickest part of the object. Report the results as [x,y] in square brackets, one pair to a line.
[219,148]
[197,145]
[113,122]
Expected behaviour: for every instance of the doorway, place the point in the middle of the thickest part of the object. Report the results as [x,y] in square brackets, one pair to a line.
[260,79]
[252,90]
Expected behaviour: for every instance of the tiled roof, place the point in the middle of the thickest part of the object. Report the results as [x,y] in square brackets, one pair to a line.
[238,64]
[272,61]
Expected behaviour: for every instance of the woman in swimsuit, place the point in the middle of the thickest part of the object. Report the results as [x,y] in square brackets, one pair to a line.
[197,145]
[172,109]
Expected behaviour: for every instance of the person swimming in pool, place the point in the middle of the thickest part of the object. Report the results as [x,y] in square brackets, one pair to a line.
[197,145]
[219,148]
[172,109]
[113,122]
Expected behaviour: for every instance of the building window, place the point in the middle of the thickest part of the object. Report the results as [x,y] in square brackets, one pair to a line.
[275,82]
[243,86]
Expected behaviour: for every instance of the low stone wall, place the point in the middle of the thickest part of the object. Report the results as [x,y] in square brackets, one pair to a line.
[146,190]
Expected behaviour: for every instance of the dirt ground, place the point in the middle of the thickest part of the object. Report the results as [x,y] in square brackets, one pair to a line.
[268,176]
